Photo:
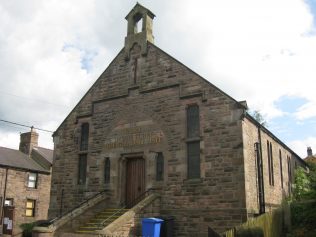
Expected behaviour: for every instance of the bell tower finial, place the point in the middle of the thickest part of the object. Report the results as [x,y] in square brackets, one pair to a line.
[139,14]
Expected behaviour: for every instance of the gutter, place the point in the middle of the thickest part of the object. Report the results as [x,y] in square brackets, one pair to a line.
[252,119]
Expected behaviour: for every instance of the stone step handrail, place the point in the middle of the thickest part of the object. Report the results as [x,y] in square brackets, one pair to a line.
[57,222]
[127,205]
[127,216]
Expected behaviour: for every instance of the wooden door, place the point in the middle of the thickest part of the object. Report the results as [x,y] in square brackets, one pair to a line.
[135,180]
[8,220]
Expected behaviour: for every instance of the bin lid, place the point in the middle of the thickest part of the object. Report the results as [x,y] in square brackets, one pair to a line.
[152,220]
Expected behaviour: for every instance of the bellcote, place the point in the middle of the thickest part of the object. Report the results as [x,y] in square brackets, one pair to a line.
[143,17]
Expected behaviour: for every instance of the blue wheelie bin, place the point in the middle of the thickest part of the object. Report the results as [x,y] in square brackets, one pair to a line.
[151,227]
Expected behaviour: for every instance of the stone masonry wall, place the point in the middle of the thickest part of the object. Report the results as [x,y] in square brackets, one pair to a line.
[274,194]
[152,101]
[17,189]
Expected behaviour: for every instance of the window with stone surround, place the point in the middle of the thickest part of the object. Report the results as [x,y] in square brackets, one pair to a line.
[270,163]
[107,169]
[82,169]
[193,121]
[193,150]
[193,141]
[289,169]
[84,139]
[281,168]
[159,166]
[32,180]
[30,208]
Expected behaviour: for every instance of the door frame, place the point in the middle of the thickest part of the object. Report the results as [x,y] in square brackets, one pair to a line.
[123,172]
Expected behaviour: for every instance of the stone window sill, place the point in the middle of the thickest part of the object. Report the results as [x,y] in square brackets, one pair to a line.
[193,181]
[193,139]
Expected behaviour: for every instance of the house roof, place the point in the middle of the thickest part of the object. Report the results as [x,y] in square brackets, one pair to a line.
[11,158]
[47,154]
[311,158]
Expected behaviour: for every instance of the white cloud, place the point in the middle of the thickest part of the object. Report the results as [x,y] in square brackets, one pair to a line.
[306,111]
[10,140]
[300,146]
[255,50]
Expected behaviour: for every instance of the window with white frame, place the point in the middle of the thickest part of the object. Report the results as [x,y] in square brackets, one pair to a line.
[8,202]
[32,180]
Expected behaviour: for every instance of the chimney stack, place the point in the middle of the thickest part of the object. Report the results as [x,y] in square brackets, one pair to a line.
[309,151]
[28,140]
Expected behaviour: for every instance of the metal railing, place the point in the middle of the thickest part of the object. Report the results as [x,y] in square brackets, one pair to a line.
[52,221]
[127,205]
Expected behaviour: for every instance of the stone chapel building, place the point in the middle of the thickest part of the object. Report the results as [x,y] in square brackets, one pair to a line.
[156,138]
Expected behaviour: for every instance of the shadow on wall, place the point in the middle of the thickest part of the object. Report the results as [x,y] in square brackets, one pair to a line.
[254,232]
[212,233]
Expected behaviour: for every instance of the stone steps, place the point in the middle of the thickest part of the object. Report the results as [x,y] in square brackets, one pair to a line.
[106,217]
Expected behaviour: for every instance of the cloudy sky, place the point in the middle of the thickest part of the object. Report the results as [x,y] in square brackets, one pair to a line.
[262,51]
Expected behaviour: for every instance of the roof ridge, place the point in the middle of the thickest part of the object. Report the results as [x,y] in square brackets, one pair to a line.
[44,148]
[10,149]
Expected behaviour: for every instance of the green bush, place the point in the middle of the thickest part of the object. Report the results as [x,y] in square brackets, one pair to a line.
[303,208]
[304,215]
[302,184]
[27,229]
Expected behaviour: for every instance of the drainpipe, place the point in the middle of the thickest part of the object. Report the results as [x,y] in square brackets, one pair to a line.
[260,172]
[4,195]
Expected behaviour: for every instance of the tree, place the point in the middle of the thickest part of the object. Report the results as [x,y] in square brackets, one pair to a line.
[305,183]
[259,117]
[301,184]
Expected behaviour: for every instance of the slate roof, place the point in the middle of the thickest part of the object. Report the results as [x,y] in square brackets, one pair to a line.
[45,153]
[16,159]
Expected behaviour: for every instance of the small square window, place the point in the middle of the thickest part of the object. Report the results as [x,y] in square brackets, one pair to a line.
[32,180]
[30,208]
[8,202]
